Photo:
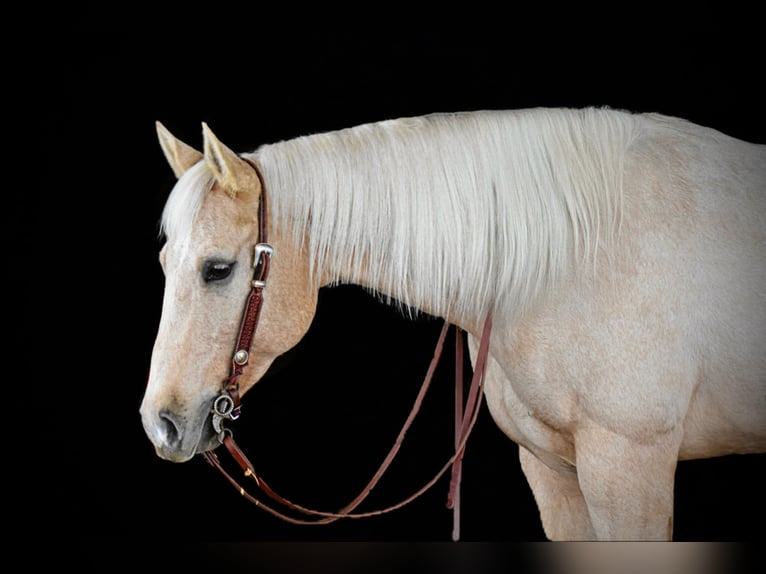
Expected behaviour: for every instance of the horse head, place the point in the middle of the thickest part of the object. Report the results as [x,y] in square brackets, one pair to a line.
[211,224]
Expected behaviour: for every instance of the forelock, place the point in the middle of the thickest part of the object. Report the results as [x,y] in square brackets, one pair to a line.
[185,200]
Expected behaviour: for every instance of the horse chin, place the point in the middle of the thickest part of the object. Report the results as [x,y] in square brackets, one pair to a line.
[208,442]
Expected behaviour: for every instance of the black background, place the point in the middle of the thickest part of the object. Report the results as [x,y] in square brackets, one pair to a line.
[320,422]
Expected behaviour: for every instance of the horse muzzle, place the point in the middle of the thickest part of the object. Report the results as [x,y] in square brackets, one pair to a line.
[177,437]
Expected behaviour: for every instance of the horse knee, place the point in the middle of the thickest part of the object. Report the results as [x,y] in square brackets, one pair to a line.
[627,485]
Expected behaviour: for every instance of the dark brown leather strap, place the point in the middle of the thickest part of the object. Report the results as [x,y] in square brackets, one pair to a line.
[464,424]
[453,497]
[263,227]
[251,315]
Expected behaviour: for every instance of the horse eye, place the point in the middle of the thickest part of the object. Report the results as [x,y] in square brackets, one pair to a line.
[216,271]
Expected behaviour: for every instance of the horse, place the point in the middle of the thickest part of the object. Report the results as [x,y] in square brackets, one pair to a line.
[621,257]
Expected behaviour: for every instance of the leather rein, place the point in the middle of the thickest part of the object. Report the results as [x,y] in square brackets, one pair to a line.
[227,407]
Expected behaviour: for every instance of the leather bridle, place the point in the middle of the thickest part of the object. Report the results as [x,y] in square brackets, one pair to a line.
[227,405]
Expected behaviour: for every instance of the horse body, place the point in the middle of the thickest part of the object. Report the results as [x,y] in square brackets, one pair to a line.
[597,400]
[622,258]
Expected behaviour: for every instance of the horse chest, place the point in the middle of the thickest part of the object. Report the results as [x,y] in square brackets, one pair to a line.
[531,406]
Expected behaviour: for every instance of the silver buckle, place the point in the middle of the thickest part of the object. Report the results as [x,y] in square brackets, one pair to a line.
[261,250]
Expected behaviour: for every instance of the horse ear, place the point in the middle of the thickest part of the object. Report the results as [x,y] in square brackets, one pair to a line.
[179,155]
[233,173]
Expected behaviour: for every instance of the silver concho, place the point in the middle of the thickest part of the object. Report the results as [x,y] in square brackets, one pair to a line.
[241,357]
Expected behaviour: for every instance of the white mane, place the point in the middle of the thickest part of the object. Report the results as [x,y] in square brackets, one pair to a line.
[462,212]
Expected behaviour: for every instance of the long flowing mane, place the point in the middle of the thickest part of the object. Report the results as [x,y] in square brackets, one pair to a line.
[467,212]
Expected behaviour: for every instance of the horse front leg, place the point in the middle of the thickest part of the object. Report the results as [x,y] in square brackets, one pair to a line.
[562,507]
[627,484]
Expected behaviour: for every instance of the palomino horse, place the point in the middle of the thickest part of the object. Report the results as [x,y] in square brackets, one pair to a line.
[621,257]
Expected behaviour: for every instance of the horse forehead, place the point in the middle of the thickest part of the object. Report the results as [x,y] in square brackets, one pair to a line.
[223,220]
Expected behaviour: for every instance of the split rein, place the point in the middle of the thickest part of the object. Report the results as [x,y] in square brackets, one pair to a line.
[227,407]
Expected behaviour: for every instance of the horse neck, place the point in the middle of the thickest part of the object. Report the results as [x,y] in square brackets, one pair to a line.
[457,215]
[337,266]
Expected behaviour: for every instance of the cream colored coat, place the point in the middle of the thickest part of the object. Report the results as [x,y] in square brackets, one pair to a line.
[605,380]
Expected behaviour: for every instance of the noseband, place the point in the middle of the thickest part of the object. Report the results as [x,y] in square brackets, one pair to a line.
[226,406]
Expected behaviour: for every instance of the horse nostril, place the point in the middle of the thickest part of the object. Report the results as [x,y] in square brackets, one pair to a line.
[168,429]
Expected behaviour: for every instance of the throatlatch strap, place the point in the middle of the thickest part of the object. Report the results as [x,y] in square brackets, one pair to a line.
[464,423]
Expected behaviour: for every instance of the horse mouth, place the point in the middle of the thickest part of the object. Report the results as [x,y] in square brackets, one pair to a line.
[207,441]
